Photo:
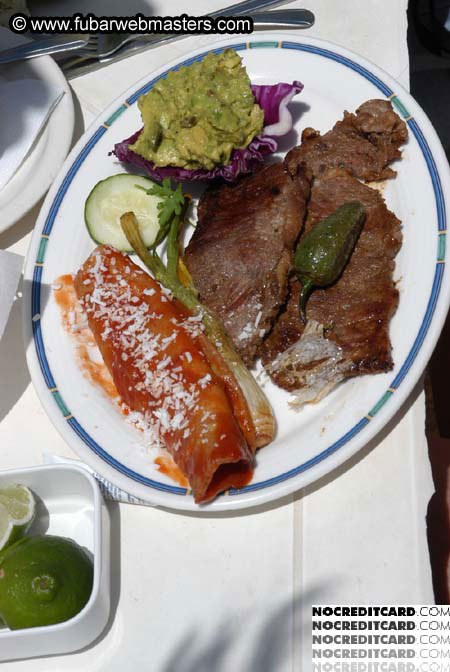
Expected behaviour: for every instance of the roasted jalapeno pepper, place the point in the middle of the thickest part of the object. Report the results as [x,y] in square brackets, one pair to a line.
[322,253]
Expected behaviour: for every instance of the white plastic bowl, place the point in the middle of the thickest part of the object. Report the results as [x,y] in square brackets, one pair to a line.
[71,507]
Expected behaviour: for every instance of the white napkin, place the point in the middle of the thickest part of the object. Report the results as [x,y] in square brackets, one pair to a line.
[109,490]
[10,270]
[25,106]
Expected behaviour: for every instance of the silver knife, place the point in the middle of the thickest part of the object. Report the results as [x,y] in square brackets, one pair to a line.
[110,46]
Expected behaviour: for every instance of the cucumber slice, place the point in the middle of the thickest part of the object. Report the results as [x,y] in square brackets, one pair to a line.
[110,199]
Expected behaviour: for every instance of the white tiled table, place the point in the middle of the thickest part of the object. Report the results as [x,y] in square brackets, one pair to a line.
[214,594]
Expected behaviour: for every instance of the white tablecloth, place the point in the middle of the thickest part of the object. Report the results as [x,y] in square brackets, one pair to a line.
[212,594]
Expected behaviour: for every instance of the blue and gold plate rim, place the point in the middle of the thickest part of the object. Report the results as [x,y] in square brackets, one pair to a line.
[312,47]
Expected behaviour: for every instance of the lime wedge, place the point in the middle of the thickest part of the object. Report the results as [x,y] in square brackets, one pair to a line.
[17,511]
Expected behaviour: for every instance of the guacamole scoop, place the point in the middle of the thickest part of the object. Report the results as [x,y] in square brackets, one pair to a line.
[199,114]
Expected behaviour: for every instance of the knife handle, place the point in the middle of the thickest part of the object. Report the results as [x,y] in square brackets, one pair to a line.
[246,7]
[291,18]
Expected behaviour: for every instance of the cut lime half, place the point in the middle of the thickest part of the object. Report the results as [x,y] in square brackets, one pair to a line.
[17,512]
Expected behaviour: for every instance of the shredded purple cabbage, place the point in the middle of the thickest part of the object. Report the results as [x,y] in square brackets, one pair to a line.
[273,99]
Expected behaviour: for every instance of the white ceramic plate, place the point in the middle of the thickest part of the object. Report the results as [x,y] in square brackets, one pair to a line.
[314,441]
[46,157]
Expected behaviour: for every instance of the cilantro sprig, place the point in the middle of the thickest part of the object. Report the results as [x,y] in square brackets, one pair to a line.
[171,213]
[171,205]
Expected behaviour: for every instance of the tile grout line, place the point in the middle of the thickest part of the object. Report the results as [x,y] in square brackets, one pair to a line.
[297,580]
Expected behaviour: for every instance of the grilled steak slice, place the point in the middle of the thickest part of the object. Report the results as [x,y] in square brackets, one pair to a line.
[241,251]
[353,313]
[364,143]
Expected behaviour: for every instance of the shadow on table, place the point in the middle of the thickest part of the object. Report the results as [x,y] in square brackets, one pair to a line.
[18,231]
[115,571]
[79,126]
[14,378]
[266,648]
